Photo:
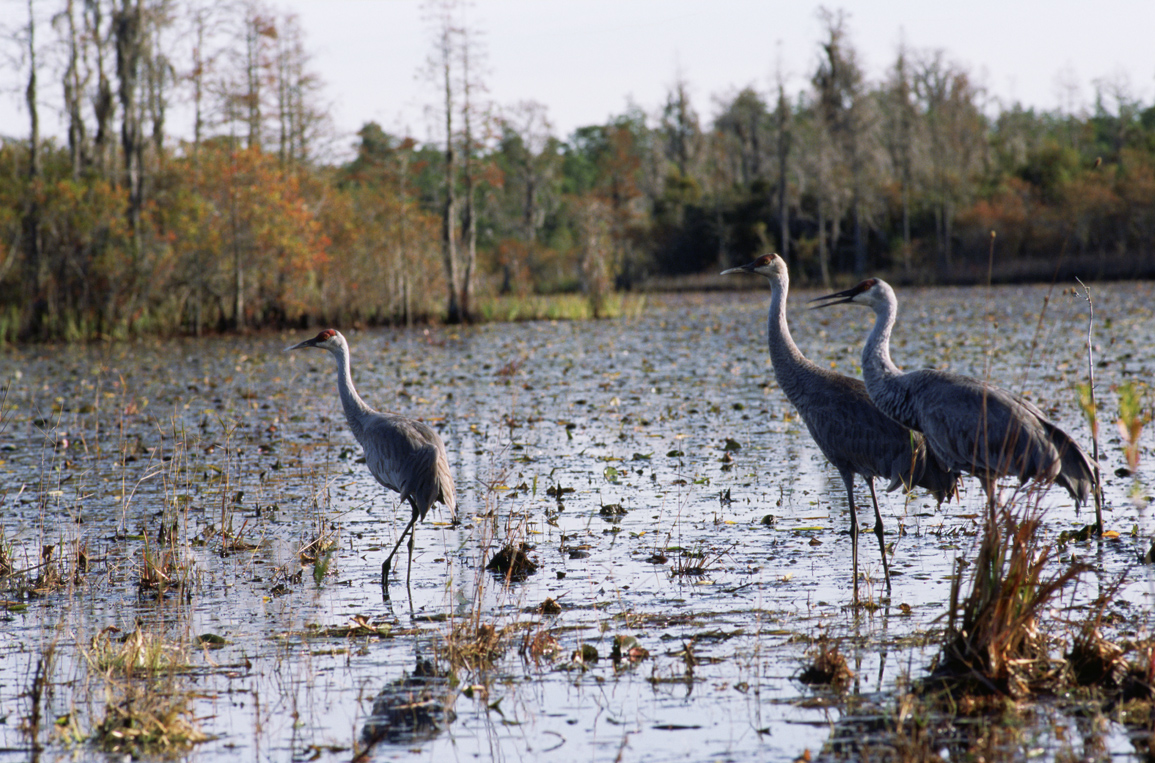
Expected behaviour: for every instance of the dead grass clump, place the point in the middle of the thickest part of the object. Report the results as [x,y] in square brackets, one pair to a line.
[1137,683]
[138,652]
[50,574]
[1092,659]
[147,712]
[548,607]
[513,563]
[359,627]
[155,571]
[148,719]
[317,545]
[7,565]
[476,647]
[1095,661]
[689,564]
[996,647]
[1137,707]
[828,667]
[539,646]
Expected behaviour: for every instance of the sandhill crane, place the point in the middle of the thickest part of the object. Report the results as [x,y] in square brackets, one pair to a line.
[970,425]
[849,430]
[405,455]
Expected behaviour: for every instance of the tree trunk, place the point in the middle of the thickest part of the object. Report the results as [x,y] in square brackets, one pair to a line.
[159,71]
[859,243]
[238,270]
[253,79]
[72,94]
[402,248]
[128,23]
[30,101]
[823,251]
[30,220]
[948,231]
[284,105]
[470,222]
[783,205]
[198,77]
[906,253]
[940,250]
[449,211]
[103,104]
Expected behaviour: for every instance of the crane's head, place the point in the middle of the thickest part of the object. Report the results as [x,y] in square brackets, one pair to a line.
[329,339]
[871,292]
[769,265]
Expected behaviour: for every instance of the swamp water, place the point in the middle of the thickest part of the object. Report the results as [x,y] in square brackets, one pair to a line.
[202,499]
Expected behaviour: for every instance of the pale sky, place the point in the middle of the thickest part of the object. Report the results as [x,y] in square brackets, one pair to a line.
[585,60]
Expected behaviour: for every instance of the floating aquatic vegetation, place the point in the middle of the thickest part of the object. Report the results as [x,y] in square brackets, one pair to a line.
[513,562]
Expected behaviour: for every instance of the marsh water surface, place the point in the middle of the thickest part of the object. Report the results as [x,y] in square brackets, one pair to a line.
[670,495]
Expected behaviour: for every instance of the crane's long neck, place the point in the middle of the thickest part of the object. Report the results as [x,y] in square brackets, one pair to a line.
[355,408]
[877,367]
[784,354]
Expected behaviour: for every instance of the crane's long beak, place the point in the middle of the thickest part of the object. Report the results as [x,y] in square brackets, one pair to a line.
[307,343]
[747,268]
[837,298]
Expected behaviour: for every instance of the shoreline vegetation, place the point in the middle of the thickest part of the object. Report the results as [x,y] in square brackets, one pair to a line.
[254,218]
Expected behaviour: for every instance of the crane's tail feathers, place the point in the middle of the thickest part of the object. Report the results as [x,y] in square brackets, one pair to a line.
[922,469]
[942,484]
[1076,472]
[935,478]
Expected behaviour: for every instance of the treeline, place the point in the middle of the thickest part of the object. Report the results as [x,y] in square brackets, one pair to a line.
[121,229]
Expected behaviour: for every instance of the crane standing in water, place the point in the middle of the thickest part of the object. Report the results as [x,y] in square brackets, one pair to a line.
[850,431]
[405,455]
[970,425]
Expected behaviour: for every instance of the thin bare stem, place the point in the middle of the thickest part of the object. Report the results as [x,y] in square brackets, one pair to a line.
[1098,492]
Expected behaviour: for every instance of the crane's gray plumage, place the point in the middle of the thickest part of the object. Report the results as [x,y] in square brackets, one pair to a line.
[970,425]
[405,455]
[850,431]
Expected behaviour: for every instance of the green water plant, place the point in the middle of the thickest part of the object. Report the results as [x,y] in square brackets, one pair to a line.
[1132,419]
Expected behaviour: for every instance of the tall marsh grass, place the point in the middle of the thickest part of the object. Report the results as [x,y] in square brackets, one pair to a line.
[563,307]
[994,644]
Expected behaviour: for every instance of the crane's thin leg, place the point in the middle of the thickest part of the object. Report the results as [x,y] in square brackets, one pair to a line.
[389,559]
[878,532]
[848,478]
[409,566]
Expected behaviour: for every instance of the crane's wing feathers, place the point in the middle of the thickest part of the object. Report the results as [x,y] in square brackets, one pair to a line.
[408,457]
[855,435]
[980,428]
